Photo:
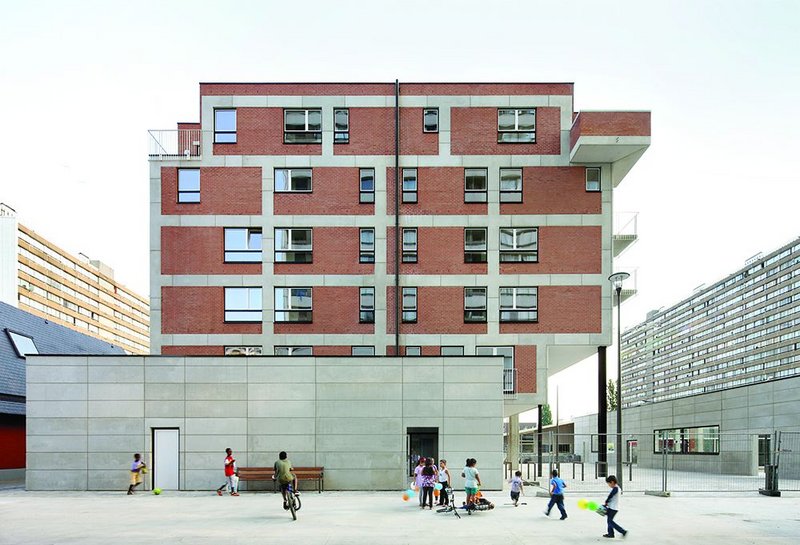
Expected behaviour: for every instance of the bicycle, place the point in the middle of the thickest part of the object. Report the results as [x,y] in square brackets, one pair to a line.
[291,501]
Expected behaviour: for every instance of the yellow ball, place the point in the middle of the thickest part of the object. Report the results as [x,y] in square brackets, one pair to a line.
[583,504]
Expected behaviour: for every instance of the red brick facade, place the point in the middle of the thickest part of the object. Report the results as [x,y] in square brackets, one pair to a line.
[334,190]
[198,250]
[437,253]
[223,190]
[440,192]
[335,251]
[335,310]
[193,350]
[259,131]
[473,131]
[563,309]
[555,190]
[198,309]
[564,250]
[440,309]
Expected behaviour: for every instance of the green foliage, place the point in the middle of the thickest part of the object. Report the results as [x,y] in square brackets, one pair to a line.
[547,417]
[611,395]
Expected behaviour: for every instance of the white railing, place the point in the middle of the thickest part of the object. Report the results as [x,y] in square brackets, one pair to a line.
[175,144]
[626,224]
[509,382]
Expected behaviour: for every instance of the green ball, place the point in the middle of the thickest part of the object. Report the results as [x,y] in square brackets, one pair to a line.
[156,491]
[592,506]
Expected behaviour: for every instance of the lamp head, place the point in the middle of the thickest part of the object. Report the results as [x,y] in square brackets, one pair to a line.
[617,279]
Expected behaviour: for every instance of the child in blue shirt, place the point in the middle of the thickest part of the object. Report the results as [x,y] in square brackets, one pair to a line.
[557,487]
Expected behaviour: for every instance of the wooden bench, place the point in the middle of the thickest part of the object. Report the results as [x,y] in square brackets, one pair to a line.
[267,473]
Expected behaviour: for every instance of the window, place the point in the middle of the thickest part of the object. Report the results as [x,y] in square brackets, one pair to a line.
[293,179]
[23,344]
[409,245]
[593,179]
[475,245]
[302,126]
[695,440]
[188,185]
[243,351]
[409,305]
[519,245]
[410,185]
[430,120]
[366,185]
[452,351]
[366,306]
[413,350]
[362,350]
[242,245]
[293,351]
[243,304]
[510,185]
[508,363]
[225,126]
[516,125]
[366,252]
[293,305]
[474,304]
[475,184]
[293,246]
[518,304]
[341,126]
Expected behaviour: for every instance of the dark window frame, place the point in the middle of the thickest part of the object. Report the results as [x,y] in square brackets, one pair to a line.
[188,191]
[412,313]
[308,254]
[419,348]
[410,196]
[10,332]
[514,309]
[366,256]
[599,181]
[683,440]
[289,177]
[366,315]
[511,195]
[316,135]
[354,347]
[515,251]
[516,135]
[366,196]
[257,314]
[225,132]
[410,256]
[341,136]
[424,125]
[291,349]
[483,195]
[476,315]
[306,316]
[247,349]
[246,251]
[480,256]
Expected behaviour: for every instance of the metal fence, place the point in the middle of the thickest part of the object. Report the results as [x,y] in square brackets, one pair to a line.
[726,462]
[786,460]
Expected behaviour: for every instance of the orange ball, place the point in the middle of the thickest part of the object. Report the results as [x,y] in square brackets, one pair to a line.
[405,497]
[436,493]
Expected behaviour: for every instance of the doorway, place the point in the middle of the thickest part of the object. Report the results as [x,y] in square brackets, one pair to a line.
[421,442]
[763,450]
[633,451]
[166,447]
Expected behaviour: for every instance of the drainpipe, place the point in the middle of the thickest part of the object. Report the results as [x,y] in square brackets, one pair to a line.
[397,234]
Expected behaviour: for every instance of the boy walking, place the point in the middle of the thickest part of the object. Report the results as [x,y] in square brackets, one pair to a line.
[516,487]
[231,482]
[137,468]
[557,487]
[612,508]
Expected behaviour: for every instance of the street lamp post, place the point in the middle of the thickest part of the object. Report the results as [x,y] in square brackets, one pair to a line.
[616,280]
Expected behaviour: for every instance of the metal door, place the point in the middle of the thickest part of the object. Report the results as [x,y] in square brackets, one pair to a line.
[166,445]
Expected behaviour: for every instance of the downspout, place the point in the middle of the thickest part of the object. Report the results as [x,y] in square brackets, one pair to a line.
[397,234]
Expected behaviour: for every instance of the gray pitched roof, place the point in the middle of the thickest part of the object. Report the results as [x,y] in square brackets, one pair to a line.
[49,338]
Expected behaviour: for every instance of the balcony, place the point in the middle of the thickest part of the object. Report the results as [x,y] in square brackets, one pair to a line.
[625,231]
[618,138]
[185,144]
[629,288]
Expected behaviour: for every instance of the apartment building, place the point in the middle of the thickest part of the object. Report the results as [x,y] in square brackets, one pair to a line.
[391,219]
[74,291]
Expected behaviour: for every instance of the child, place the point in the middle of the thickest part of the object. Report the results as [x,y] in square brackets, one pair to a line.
[557,487]
[472,480]
[444,480]
[230,474]
[612,508]
[428,481]
[137,467]
[418,478]
[516,487]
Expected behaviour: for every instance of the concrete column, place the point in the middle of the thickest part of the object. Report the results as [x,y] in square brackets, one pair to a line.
[513,441]
[602,413]
[539,442]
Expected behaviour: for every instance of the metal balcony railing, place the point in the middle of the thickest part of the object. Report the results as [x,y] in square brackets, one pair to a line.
[625,231]
[509,382]
[175,144]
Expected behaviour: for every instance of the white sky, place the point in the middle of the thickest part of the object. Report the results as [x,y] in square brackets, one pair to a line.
[81,82]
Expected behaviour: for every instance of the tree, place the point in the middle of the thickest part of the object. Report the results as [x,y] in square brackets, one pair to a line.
[547,417]
[611,395]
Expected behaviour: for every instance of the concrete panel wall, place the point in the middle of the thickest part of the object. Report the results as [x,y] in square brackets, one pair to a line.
[88,415]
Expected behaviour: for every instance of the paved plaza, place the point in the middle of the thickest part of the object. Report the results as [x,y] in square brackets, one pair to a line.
[382,518]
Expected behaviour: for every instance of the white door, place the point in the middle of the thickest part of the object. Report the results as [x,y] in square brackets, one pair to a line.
[165,459]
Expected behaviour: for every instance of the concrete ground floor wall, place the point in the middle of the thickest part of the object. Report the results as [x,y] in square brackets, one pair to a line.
[87,415]
[742,414]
